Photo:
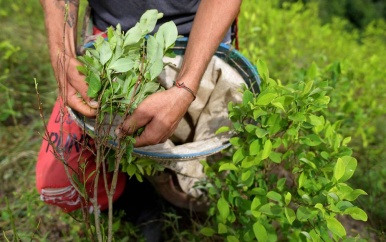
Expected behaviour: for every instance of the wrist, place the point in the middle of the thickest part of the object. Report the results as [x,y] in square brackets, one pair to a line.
[181,96]
[189,91]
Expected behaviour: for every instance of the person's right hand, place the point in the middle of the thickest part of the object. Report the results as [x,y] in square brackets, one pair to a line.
[73,88]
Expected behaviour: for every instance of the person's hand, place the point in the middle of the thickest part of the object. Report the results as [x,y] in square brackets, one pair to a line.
[159,113]
[73,88]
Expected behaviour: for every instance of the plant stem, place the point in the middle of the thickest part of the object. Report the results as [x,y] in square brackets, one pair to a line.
[94,200]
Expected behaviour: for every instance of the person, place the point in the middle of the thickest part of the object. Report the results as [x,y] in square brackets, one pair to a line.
[206,22]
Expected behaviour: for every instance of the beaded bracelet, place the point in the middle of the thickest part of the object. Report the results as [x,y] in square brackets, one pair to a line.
[182,85]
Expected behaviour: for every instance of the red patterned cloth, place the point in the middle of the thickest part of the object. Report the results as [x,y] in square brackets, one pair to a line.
[53,182]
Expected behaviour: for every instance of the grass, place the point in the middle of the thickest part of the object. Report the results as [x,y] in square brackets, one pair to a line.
[26,57]
[20,207]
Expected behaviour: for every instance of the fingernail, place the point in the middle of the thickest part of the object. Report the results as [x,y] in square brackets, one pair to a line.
[93,103]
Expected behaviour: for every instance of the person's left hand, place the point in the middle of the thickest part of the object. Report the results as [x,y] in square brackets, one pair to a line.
[159,113]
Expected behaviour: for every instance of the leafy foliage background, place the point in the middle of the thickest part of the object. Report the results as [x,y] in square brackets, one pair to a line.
[289,37]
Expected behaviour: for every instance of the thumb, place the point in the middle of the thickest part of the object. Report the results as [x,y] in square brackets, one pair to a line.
[149,137]
[77,103]
[132,123]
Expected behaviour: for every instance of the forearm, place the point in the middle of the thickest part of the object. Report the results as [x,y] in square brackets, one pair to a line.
[61,21]
[212,21]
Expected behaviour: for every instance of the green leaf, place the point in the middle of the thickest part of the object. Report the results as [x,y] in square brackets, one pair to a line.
[248,236]
[356,213]
[343,205]
[236,141]
[315,120]
[254,147]
[274,196]
[267,149]
[275,157]
[222,228]
[315,236]
[98,42]
[335,227]
[306,234]
[228,167]
[223,208]
[82,69]
[133,35]
[281,183]
[238,155]
[303,213]
[150,88]
[139,177]
[223,129]
[131,169]
[289,214]
[118,30]
[122,65]
[153,50]
[346,141]
[325,155]
[259,191]
[263,70]
[265,98]
[270,209]
[321,208]
[232,238]
[355,194]
[256,202]
[260,232]
[275,123]
[169,34]
[307,199]
[258,113]
[302,179]
[298,117]
[333,196]
[105,53]
[250,161]
[245,175]
[280,102]
[208,232]
[310,163]
[349,165]
[110,32]
[247,97]
[339,169]
[148,21]
[311,140]
[292,132]
[156,69]
[94,85]
[250,128]
[85,59]
[307,87]
[260,133]
[287,198]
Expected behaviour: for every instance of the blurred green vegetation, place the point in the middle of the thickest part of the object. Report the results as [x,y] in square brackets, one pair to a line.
[24,57]
[359,13]
[290,37]
[347,39]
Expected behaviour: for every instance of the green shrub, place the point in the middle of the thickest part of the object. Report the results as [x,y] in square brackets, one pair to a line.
[285,177]
[290,38]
